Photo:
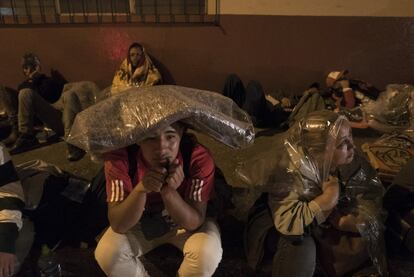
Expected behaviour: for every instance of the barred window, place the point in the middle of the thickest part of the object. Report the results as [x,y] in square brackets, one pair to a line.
[107,11]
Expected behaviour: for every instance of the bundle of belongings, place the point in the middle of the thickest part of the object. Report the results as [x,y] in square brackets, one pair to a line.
[392,111]
[363,104]
[389,154]
[399,201]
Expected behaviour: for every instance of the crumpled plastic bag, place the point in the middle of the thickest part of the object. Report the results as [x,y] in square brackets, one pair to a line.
[393,110]
[125,119]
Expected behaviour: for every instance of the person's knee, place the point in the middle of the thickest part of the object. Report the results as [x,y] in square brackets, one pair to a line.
[204,251]
[26,94]
[110,249]
[69,97]
[298,249]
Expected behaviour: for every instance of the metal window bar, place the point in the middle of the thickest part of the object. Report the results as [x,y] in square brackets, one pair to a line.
[42,12]
[113,5]
[127,10]
[13,7]
[201,10]
[157,16]
[57,11]
[99,10]
[172,16]
[28,12]
[85,11]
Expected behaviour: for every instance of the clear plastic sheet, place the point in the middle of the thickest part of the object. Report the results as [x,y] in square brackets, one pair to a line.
[393,110]
[300,161]
[362,196]
[127,118]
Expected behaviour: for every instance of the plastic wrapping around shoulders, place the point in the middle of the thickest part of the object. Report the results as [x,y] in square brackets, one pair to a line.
[127,118]
[361,195]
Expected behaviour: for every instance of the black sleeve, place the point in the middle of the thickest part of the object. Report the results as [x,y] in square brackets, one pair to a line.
[45,86]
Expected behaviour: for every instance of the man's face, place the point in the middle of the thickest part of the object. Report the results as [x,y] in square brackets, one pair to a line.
[27,70]
[161,148]
[135,55]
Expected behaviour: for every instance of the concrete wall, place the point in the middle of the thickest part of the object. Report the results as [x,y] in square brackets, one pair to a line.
[283,52]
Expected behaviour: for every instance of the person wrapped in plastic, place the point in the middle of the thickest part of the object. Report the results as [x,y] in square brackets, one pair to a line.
[136,70]
[322,198]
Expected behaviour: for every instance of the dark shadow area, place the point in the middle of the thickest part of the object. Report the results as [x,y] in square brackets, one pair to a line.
[167,78]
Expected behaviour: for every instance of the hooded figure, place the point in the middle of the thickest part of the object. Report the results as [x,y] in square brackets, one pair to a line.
[136,70]
[319,190]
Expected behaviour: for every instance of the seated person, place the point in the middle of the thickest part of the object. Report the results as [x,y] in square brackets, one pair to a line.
[23,107]
[264,110]
[318,206]
[16,232]
[45,98]
[163,201]
[136,70]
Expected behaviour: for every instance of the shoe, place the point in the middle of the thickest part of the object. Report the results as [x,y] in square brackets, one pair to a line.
[12,138]
[74,153]
[24,143]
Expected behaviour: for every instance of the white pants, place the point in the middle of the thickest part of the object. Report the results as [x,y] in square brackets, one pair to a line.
[118,254]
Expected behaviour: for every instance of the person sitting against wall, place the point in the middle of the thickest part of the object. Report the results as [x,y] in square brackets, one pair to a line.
[159,203]
[264,110]
[136,70]
[36,97]
[324,199]
[48,99]
[16,232]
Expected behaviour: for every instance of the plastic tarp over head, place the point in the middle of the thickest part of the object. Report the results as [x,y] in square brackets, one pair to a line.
[303,158]
[128,118]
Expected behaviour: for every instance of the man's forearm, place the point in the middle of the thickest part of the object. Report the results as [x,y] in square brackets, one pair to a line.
[180,211]
[125,215]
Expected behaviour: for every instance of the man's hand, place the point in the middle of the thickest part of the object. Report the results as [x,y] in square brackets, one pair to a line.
[153,180]
[7,261]
[175,175]
[330,188]
[345,223]
[329,197]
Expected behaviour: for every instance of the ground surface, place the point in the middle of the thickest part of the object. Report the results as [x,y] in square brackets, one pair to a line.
[76,261]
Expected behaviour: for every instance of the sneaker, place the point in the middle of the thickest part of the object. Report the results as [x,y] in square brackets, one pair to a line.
[12,138]
[24,143]
[75,153]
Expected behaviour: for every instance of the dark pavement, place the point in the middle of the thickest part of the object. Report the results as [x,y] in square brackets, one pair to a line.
[164,261]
